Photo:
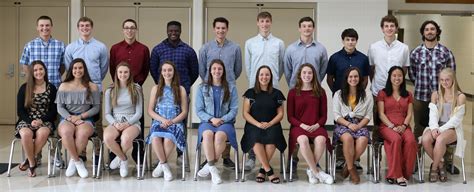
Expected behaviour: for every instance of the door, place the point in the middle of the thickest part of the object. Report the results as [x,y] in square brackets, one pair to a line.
[8,66]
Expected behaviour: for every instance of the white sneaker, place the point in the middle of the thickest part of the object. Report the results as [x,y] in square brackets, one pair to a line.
[216,178]
[204,172]
[324,177]
[167,172]
[124,168]
[71,168]
[311,177]
[115,163]
[249,164]
[81,169]
[158,171]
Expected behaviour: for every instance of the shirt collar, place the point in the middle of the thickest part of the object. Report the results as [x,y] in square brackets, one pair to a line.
[270,36]
[180,43]
[124,43]
[349,54]
[395,42]
[301,43]
[45,42]
[217,43]
[82,42]
[437,46]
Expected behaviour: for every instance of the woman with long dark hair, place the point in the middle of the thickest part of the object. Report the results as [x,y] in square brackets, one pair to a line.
[352,108]
[307,114]
[263,111]
[168,107]
[216,107]
[36,114]
[395,109]
[78,101]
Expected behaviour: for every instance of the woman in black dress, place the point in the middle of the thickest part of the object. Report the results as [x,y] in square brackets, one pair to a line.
[263,111]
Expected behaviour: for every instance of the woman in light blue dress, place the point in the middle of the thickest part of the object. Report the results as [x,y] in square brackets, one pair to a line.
[168,107]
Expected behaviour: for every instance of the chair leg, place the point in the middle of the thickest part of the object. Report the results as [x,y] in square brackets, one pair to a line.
[243,167]
[422,168]
[49,157]
[368,159]
[196,162]
[144,160]
[139,160]
[56,151]
[374,164]
[99,163]
[463,171]
[93,158]
[236,169]
[334,157]
[11,157]
[282,157]
[183,169]
[291,169]
[326,158]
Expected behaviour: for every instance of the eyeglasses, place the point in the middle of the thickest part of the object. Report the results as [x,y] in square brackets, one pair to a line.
[129,28]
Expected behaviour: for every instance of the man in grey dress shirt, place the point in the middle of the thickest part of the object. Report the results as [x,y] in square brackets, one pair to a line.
[230,53]
[305,50]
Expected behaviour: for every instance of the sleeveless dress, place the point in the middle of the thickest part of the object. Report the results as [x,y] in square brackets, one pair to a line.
[166,107]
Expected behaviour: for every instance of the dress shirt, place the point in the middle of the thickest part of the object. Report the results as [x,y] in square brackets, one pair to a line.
[340,61]
[384,56]
[136,55]
[425,65]
[50,52]
[260,51]
[94,54]
[229,53]
[183,56]
[299,53]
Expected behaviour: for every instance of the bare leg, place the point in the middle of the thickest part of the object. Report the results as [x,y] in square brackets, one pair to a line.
[308,155]
[168,146]
[361,145]
[158,148]
[319,148]
[208,145]
[427,141]
[67,130]
[110,136]
[42,135]
[348,149]
[83,132]
[219,144]
[447,137]
[126,140]
[27,143]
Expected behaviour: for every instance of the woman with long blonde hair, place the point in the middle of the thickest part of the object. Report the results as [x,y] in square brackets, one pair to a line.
[123,110]
[447,109]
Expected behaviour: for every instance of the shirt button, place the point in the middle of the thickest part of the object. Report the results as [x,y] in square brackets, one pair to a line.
[129,52]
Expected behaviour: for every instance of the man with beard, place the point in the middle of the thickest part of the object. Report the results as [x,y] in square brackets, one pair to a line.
[426,61]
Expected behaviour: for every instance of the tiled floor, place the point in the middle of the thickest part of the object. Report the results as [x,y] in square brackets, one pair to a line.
[111,181]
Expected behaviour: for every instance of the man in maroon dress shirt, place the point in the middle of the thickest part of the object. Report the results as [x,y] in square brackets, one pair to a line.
[137,56]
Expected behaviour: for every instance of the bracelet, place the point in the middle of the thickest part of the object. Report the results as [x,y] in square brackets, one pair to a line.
[348,124]
[406,126]
[391,126]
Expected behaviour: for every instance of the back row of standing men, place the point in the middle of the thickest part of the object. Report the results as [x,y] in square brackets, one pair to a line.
[424,62]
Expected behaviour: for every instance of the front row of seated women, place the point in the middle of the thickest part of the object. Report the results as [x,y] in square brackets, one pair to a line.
[78,99]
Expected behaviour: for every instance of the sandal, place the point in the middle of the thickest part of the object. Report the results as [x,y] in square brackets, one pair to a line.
[402,183]
[32,171]
[24,166]
[260,179]
[391,180]
[433,175]
[443,177]
[275,179]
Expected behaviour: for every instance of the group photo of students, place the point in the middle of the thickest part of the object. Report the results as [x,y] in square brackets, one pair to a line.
[368,102]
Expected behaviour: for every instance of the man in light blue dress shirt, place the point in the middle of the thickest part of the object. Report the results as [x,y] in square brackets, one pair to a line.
[230,53]
[264,49]
[305,50]
[94,52]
